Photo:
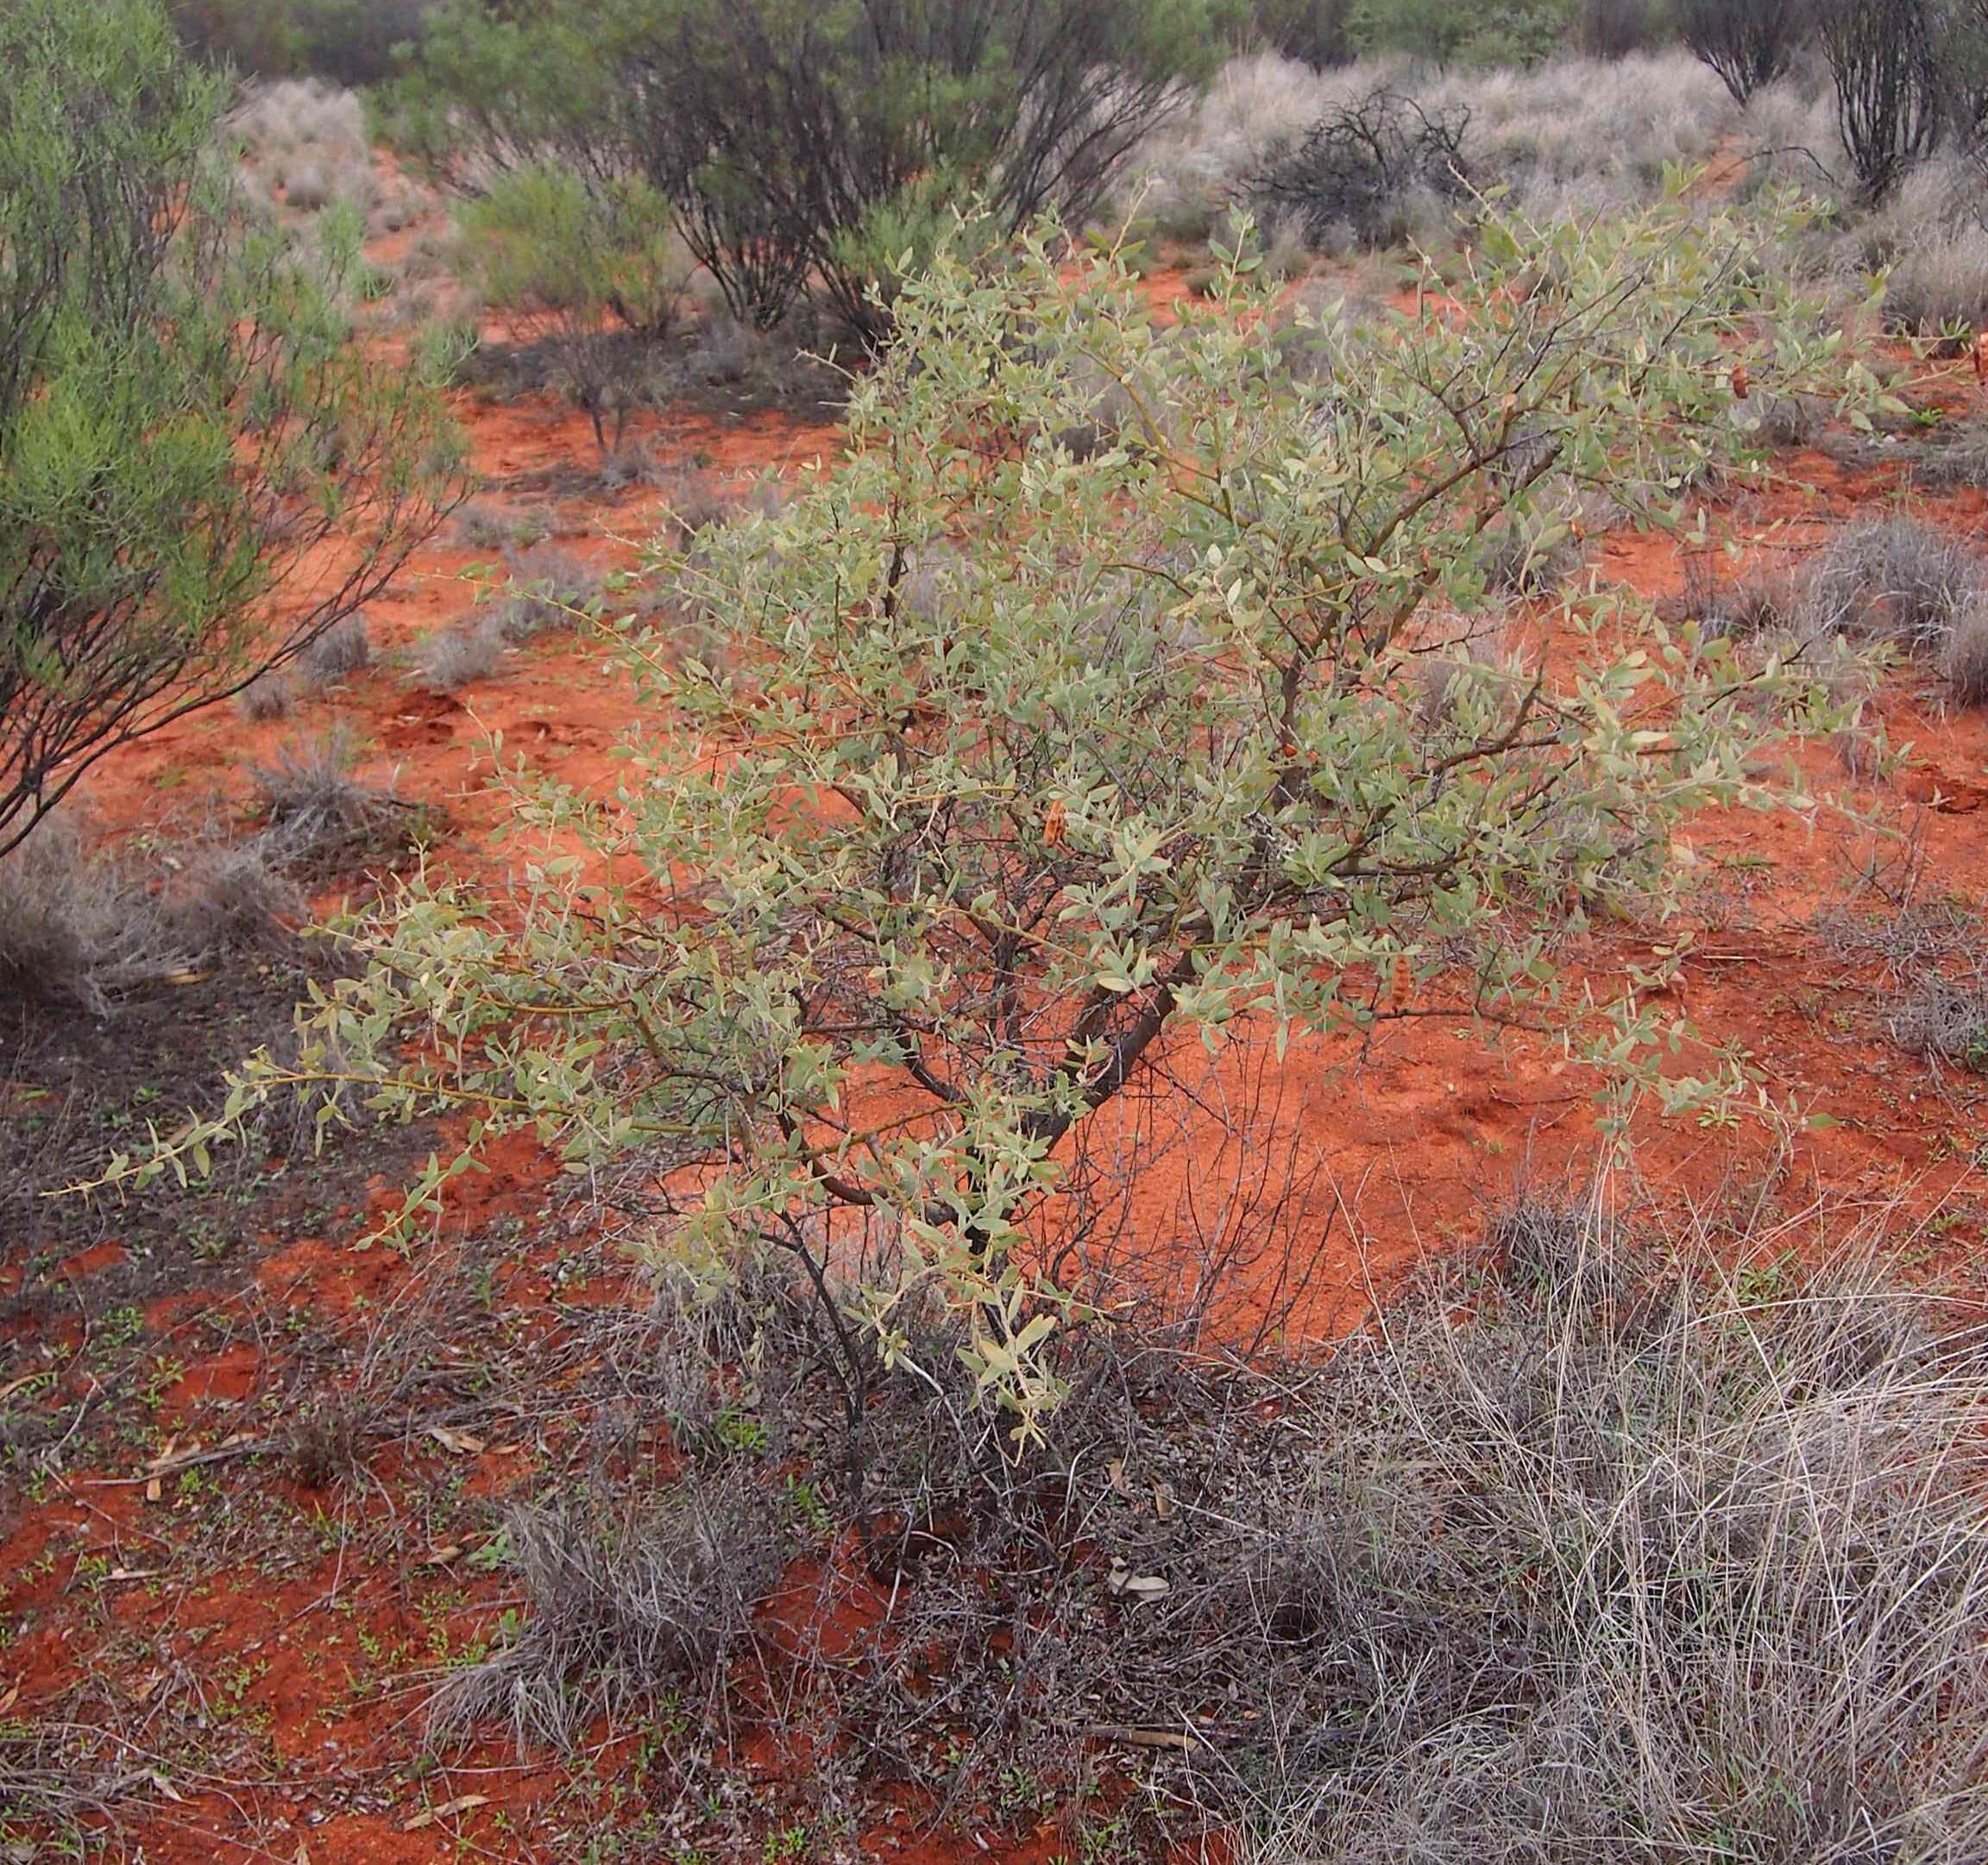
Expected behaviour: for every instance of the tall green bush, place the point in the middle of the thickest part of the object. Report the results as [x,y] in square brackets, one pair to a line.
[592,270]
[789,134]
[183,424]
[1008,773]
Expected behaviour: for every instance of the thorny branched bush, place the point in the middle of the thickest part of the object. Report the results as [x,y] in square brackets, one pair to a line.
[1360,169]
[1888,60]
[1946,1020]
[1749,43]
[930,867]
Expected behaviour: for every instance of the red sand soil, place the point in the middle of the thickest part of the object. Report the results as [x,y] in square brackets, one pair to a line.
[1386,1155]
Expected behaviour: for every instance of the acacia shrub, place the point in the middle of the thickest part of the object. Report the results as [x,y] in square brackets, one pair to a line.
[182,423]
[1009,772]
[798,140]
[1485,34]
[1749,43]
[593,271]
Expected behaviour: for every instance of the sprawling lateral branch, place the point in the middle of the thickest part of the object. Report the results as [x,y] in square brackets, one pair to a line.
[1121,681]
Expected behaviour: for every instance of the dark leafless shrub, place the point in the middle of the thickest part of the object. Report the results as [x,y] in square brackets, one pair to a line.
[1749,43]
[342,651]
[1359,168]
[328,1443]
[1905,942]
[620,1607]
[1885,61]
[609,375]
[1891,579]
[1614,28]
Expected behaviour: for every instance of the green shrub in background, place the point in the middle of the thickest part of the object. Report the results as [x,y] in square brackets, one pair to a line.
[1007,773]
[1325,33]
[349,41]
[1479,34]
[550,243]
[182,423]
[797,139]
[593,271]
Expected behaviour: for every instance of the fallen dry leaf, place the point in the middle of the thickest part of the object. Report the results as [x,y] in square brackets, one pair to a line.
[1123,1580]
[460,1442]
[462,1804]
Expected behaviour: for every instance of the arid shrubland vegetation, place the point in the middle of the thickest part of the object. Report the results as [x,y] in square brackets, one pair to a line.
[1058,1050]
[1579,1557]
[976,832]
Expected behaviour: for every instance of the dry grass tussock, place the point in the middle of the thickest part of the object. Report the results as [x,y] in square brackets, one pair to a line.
[338,653]
[1578,134]
[1574,1554]
[83,926]
[1893,578]
[303,147]
[1885,581]
[1930,240]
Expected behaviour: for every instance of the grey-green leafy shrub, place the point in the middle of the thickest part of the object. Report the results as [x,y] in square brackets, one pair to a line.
[1009,774]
